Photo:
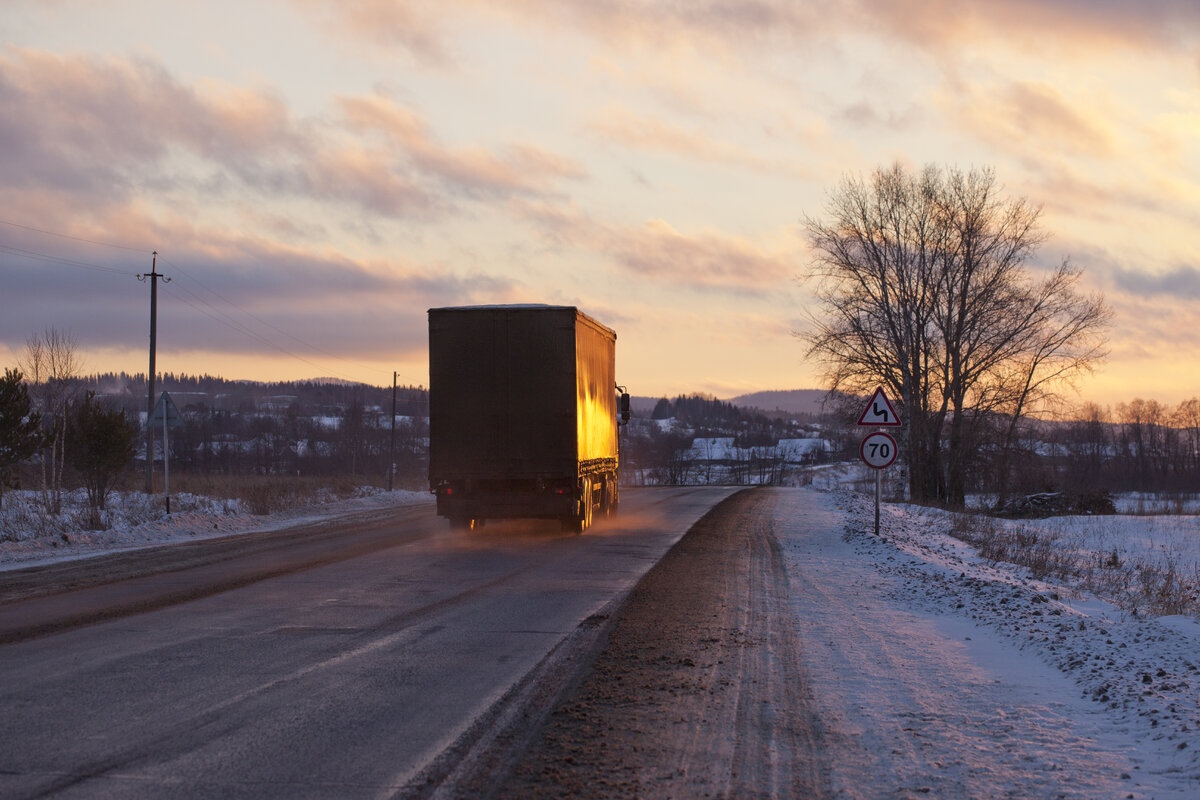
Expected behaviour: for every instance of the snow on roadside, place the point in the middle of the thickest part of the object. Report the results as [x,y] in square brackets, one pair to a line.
[136,520]
[1143,674]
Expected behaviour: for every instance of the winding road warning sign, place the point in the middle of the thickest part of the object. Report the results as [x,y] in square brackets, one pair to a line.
[880,413]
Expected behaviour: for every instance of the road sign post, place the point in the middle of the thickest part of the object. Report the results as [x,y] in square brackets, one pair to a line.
[878,449]
[165,412]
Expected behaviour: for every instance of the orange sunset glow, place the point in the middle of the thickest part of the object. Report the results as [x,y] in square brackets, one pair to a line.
[315,175]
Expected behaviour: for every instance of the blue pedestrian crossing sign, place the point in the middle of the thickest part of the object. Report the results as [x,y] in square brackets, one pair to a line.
[165,411]
[880,413]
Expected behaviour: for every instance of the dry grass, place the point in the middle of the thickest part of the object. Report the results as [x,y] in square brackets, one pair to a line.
[1162,504]
[267,494]
[1040,551]
[1156,586]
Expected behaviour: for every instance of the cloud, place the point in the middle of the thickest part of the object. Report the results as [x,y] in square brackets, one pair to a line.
[417,27]
[230,293]
[424,29]
[650,133]
[475,172]
[709,260]
[1027,117]
[96,111]
[421,28]
[370,179]
[1182,282]
[1155,327]
[1081,24]
[656,251]
[862,114]
[113,128]
[68,124]
[699,22]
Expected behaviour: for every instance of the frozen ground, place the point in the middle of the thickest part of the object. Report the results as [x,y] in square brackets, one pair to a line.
[941,675]
[137,520]
[937,672]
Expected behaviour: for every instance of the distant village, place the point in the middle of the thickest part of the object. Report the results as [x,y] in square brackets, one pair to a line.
[327,428]
[332,427]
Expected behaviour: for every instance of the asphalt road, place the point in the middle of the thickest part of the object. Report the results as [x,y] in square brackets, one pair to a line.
[342,660]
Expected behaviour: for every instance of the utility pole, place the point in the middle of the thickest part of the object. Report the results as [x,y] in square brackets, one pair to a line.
[392,443]
[154,275]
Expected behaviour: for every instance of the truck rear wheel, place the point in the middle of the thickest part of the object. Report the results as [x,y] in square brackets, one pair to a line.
[589,507]
[612,497]
[583,521]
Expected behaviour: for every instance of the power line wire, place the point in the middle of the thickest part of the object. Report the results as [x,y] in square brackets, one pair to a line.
[248,332]
[213,313]
[70,262]
[275,328]
[74,238]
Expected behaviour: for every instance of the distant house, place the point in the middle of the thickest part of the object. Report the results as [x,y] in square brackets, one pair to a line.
[276,403]
[805,451]
[717,449]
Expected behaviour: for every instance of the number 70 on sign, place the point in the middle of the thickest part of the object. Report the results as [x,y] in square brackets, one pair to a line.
[878,450]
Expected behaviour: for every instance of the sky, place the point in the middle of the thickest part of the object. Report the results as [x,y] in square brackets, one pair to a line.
[314,175]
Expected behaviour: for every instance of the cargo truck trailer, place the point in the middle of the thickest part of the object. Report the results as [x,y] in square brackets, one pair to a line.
[523,414]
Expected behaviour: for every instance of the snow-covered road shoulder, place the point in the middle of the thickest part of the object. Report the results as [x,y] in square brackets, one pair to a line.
[943,675]
[137,522]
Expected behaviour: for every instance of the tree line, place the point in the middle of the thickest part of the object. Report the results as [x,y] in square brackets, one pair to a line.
[59,429]
[1141,445]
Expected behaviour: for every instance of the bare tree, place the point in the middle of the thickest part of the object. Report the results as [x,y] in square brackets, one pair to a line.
[922,288]
[1062,337]
[1187,418]
[875,261]
[52,365]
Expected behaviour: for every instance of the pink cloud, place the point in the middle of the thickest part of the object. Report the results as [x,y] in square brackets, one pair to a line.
[414,26]
[709,260]
[656,251]
[940,24]
[421,28]
[515,169]
[229,291]
[109,128]
[370,179]
[1016,115]
[650,133]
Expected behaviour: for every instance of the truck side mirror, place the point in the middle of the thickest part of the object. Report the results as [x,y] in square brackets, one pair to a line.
[625,412]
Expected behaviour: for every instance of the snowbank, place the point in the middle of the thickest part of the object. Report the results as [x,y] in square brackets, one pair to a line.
[137,520]
[1142,673]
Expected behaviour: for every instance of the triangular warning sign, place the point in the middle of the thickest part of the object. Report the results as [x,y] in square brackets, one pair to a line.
[879,413]
[165,410]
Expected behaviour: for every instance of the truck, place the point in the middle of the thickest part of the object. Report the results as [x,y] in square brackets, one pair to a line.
[523,415]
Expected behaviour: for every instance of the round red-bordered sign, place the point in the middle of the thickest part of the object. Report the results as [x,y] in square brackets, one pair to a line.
[878,450]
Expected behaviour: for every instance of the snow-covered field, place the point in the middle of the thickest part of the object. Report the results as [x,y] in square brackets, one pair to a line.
[941,674]
[138,520]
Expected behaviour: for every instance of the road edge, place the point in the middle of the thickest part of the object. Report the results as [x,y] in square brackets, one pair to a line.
[488,752]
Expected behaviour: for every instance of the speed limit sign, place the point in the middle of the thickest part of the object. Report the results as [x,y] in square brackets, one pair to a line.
[878,450]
